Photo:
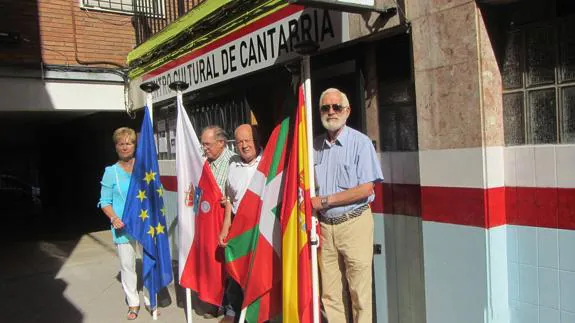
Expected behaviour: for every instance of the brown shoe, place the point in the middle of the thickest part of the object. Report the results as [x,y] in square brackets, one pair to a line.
[227,319]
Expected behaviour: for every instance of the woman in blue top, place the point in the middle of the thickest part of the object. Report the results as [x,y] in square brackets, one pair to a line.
[115,184]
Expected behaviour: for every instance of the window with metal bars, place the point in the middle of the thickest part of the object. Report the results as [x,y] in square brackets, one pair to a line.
[226,112]
[539,83]
[154,8]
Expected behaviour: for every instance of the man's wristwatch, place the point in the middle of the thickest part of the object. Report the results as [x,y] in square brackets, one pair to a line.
[324,203]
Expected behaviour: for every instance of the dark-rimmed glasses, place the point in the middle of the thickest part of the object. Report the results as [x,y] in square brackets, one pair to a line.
[337,108]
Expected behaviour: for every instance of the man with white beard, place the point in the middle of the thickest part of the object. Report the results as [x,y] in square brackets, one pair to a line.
[346,169]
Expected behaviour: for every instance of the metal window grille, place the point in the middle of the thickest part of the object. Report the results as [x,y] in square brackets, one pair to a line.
[539,83]
[398,116]
[396,95]
[227,113]
[154,8]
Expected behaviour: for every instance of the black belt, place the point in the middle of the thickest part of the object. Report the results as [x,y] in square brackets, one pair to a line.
[344,217]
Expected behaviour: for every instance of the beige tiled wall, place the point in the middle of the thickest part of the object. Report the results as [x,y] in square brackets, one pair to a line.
[458,83]
[446,66]
[448,115]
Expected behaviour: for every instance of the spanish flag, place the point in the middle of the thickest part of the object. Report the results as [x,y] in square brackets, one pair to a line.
[296,225]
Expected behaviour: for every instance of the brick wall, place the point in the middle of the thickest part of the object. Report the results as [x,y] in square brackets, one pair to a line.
[97,36]
[47,28]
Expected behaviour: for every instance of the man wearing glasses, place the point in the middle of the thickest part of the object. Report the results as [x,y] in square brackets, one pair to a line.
[346,169]
[242,169]
[213,141]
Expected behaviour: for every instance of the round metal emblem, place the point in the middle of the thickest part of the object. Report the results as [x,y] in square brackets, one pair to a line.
[205,206]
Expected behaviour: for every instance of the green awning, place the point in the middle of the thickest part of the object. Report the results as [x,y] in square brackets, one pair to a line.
[184,26]
[175,28]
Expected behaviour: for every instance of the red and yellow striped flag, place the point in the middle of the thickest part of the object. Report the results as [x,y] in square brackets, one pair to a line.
[296,224]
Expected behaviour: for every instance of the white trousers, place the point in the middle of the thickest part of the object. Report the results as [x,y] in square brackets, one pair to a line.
[127,255]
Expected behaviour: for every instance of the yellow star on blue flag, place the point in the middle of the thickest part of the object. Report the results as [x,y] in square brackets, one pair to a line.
[151,232]
[150,176]
[144,215]
[160,228]
[141,195]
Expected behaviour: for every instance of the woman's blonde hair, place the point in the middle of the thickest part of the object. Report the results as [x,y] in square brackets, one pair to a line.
[124,132]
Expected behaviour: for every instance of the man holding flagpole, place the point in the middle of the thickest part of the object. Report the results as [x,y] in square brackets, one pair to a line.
[200,208]
[213,140]
[346,169]
[242,169]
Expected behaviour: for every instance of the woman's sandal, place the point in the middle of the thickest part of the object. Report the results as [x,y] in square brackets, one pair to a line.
[133,313]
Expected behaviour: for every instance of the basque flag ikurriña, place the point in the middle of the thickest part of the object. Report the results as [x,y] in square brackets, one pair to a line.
[253,253]
[145,215]
[200,216]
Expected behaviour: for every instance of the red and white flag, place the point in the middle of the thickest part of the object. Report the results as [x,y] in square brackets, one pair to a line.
[200,216]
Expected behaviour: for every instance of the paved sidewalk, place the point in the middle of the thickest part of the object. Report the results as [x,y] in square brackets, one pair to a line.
[70,281]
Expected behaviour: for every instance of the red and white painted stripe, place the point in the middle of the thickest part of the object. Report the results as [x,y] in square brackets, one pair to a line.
[474,202]
[462,259]
[524,185]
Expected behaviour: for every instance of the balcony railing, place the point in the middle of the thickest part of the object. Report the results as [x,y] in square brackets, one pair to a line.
[151,16]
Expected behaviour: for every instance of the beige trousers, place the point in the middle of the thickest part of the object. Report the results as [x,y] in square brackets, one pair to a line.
[345,262]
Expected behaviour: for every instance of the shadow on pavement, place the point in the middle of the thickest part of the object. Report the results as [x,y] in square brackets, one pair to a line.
[29,288]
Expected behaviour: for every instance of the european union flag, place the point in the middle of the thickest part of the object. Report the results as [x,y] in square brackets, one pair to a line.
[145,215]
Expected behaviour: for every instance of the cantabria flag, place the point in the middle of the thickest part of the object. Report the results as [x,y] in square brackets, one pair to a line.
[200,216]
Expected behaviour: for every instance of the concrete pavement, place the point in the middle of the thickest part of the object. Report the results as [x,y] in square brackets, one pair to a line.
[73,280]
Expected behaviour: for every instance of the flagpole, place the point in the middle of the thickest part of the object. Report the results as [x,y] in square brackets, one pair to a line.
[307,48]
[314,238]
[189,305]
[149,88]
[180,86]
[243,315]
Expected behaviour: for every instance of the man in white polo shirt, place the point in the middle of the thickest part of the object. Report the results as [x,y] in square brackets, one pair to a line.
[242,166]
[242,169]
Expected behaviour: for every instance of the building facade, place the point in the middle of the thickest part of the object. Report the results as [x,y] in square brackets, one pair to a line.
[470,106]
[63,92]
[56,53]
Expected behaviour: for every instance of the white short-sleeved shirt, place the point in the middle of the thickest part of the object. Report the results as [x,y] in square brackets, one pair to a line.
[239,176]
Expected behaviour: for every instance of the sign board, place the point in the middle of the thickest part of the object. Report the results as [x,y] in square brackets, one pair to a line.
[258,45]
